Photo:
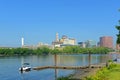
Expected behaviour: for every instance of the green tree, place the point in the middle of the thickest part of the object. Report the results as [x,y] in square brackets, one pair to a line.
[42,50]
[118,35]
[45,50]
[55,51]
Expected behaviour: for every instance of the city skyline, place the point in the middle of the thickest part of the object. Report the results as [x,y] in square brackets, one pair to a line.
[39,21]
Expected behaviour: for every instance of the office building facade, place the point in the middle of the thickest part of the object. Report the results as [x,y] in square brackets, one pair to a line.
[106,41]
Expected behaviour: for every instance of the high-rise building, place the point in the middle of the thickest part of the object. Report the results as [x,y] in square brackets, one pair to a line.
[22,41]
[57,37]
[106,41]
[57,42]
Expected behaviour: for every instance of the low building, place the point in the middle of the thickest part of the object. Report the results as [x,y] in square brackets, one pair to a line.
[64,41]
[67,41]
[57,44]
[90,43]
[82,44]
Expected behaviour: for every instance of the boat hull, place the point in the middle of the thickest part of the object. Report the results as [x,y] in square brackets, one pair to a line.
[25,69]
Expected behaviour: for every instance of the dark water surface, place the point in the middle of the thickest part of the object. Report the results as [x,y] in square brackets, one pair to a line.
[9,66]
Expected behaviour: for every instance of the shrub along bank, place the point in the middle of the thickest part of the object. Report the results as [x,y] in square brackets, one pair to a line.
[46,50]
[108,73]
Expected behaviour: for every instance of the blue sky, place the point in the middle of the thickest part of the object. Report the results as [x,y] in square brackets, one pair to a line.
[39,20]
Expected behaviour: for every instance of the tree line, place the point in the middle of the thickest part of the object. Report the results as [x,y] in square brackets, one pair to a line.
[46,50]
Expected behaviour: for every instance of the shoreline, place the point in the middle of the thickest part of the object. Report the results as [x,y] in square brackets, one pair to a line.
[82,73]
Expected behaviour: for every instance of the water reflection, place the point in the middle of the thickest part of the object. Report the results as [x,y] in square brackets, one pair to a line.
[56,71]
[75,59]
[11,72]
[23,73]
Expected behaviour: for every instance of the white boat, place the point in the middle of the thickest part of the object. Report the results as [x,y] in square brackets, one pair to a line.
[25,67]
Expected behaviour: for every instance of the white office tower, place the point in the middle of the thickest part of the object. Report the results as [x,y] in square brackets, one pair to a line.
[22,40]
[57,37]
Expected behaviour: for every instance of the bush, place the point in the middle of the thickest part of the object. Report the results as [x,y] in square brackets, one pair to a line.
[63,78]
[112,65]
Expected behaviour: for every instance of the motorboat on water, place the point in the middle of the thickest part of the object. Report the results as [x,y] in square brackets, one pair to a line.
[25,67]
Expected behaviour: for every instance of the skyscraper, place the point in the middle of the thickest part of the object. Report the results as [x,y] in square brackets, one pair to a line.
[22,41]
[106,41]
[57,42]
[57,37]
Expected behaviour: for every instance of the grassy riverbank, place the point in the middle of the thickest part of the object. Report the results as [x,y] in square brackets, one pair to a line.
[114,74]
[107,73]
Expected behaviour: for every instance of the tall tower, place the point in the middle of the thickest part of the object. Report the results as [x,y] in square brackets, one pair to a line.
[57,37]
[22,41]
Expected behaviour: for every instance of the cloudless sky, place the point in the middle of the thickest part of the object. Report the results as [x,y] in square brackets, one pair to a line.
[39,20]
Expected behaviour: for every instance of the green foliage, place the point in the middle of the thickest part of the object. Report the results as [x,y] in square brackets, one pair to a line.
[71,49]
[63,78]
[15,51]
[118,35]
[118,27]
[77,49]
[111,65]
[42,50]
[56,51]
[100,75]
[46,50]
[103,74]
[118,39]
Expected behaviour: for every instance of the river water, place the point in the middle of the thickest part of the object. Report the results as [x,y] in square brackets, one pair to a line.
[9,66]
